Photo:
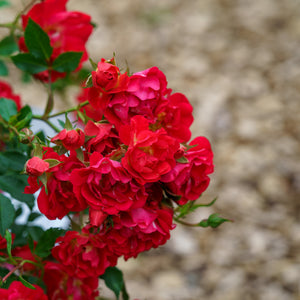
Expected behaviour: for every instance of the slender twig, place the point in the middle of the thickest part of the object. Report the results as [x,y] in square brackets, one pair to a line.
[47,122]
[69,110]
[186,223]
[11,272]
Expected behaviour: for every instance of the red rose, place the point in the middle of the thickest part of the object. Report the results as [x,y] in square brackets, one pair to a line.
[70,139]
[36,166]
[139,230]
[59,198]
[18,291]
[189,180]
[104,140]
[7,92]
[62,286]
[67,30]
[107,77]
[105,185]
[145,91]
[83,254]
[174,114]
[150,154]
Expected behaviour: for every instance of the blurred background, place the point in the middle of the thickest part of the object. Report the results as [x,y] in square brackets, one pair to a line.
[238,62]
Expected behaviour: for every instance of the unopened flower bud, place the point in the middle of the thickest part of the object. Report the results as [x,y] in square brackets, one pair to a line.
[35,166]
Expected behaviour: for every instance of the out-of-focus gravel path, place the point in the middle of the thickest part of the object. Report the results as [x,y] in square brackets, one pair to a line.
[238,62]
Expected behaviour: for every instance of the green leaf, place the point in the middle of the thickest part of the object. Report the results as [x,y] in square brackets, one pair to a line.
[37,41]
[23,118]
[213,221]
[26,283]
[35,232]
[4,3]
[8,46]
[8,242]
[47,241]
[68,123]
[182,160]
[52,162]
[93,64]
[33,216]
[14,184]
[113,278]
[3,69]
[12,160]
[67,61]
[28,63]
[7,214]
[8,108]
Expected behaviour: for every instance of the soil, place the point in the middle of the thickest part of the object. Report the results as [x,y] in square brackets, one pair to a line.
[237,61]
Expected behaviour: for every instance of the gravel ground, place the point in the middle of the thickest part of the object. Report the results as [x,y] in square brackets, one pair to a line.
[238,63]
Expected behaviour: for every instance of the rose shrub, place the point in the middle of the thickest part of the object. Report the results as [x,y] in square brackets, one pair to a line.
[122,171]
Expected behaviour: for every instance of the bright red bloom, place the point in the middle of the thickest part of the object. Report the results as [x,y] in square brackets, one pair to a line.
[189,180]
[139,230]
[145,91]
[150,154]
[60,25]
[70,139]
[7,92]
[174,114]
[107,77]
[36,166]
[105,185]
[59,199]
[105,137]
[83,254]
[61,286]
[17,291]
[91,112]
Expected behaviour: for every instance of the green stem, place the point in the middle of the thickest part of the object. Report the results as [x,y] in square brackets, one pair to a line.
[11,272]
[185,223]
[50,101]
[69,110]
[47,122]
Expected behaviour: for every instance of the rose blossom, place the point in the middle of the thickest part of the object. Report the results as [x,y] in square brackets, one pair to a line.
[36,166]
[83,254]
[7,92]
[104,137]
[59,199]
[61,286]
[107,77]
[174,114]
[150,154]
[189,180]
[61,26]
[70,139]
[145,91]
[105,185]
[18,291]
[139,230]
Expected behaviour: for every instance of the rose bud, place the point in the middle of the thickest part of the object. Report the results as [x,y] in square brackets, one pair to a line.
[35,166]
[70,139]
[107,77]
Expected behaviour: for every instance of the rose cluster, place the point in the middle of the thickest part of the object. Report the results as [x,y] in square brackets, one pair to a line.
[128,166]
[119,172]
